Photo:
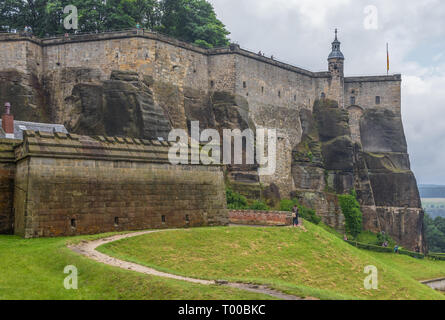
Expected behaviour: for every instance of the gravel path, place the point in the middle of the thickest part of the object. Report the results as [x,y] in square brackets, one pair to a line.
[88,249]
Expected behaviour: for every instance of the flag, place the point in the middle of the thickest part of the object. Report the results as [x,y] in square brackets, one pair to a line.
[387,58]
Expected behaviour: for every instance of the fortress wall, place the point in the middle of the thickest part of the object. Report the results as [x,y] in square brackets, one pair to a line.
[366,89]
[7,173]
[71,185]
[222,72]
[14,55]
[268,84]
[164,61]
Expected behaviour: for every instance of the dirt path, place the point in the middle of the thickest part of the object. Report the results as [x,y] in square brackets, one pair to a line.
[88,249]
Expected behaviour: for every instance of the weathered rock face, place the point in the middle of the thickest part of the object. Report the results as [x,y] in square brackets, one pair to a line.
[121,106]
[327,162]
[26,94]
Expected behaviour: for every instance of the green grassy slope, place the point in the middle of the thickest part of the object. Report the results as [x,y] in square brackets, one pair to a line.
[33,269]
[314,263]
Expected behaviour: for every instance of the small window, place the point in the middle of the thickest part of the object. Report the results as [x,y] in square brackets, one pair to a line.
[73,223]
[116,221]
[262,89]
[279,94]
[187,218]
[244,84]
[163,219]
[212,83]
[377,100]
[353,91]
[352,100]
[295,97]
[323,95]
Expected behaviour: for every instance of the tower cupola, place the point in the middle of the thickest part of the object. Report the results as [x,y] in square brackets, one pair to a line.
[336,59]
[336,52]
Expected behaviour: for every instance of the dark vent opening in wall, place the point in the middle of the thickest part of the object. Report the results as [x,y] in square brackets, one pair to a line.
[116,221]
[352,100]
[163,219]
[212,84]
[279,94]
[244,84]
[187,218]
[262,89]
[73,223]
[377,100]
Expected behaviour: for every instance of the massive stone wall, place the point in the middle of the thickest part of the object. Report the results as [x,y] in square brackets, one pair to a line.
[140,84]
[70,185]
[7,174]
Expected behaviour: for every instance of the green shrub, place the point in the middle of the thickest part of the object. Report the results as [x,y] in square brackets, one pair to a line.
[287,205]
[351,210]
[235,201]
[309,215]
[371,247]
[306,213]
[260,206]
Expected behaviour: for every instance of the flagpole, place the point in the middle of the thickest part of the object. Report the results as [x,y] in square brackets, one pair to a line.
[387,59]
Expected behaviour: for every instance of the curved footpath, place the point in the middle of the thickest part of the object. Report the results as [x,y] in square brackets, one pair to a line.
[88,249]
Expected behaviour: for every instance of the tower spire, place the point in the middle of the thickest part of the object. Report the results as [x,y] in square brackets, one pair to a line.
[336,52]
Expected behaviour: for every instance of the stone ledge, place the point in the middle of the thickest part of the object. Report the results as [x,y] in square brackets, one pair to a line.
[73,146]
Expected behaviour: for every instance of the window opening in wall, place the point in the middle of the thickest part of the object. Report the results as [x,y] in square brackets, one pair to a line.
[244,84]
[323,95]
[295,97]
[352,100]
[377,100]
[262,89]
[116,221]
[187,218]
[212,83]
[73,223]
[163,219]
[279,94]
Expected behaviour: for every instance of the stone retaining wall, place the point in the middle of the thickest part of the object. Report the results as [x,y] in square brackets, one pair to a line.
[67,184]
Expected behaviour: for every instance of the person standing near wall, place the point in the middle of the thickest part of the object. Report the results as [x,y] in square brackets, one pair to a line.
[295,216]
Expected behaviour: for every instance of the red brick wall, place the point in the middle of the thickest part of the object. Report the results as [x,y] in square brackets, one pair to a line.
[260,218]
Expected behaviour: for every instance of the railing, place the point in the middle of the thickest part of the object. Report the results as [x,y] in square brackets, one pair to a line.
[375,248]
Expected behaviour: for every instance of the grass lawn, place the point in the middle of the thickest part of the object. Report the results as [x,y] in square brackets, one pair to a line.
[314,263]
[418,269]
[33,269]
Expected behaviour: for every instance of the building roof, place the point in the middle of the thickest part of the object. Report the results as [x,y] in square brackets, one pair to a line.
[20,126]
[336,52]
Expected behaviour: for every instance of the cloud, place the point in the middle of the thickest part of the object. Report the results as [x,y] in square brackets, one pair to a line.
[300,32]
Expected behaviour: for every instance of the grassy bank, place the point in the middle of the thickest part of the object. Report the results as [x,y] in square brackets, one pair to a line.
[313,263]
[33,269]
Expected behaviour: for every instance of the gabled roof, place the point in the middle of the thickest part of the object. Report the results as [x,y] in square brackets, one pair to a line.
[20,126]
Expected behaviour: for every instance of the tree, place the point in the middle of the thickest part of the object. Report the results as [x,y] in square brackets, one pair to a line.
[189,20]
[353,215]
[193,21]
[435,233]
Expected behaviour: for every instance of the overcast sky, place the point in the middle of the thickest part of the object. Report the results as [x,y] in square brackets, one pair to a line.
[300,32]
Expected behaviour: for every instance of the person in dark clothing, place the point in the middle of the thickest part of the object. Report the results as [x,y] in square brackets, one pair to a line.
[295,216]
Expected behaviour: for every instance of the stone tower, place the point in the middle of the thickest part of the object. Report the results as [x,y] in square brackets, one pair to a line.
[336,69]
